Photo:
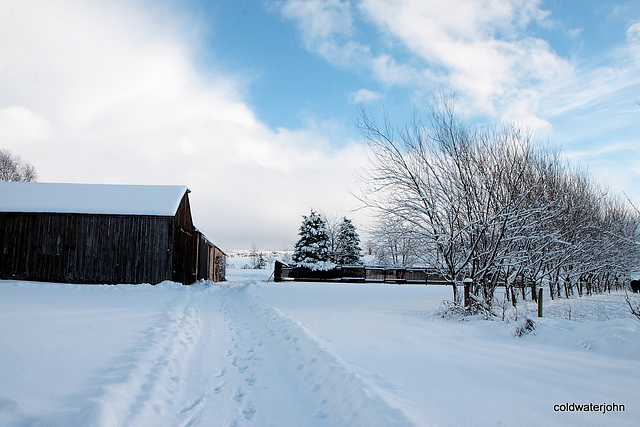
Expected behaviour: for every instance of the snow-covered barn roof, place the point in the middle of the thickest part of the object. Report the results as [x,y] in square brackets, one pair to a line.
[155,200]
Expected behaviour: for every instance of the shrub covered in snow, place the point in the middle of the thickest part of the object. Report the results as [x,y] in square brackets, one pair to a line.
[526,328]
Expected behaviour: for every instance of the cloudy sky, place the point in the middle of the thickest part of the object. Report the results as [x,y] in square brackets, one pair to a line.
[252,103]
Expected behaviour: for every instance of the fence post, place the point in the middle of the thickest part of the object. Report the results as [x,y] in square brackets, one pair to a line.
[540,302]
[467,291]
[277,271]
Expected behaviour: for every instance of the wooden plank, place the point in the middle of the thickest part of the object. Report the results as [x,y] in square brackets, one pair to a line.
[85,248]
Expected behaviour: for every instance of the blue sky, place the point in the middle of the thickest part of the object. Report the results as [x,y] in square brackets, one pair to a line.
[252,103]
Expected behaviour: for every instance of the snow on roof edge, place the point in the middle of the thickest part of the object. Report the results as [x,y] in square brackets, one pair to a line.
[110,199]
[211,242]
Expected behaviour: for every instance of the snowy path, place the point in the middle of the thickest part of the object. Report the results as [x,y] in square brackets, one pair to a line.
[250,353]
[205,355]
[272,373]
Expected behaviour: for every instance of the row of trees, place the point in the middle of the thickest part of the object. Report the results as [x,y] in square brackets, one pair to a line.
[493,205]
[323,244]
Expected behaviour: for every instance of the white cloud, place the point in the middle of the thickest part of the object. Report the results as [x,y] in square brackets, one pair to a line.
[613,164]
[364,96]
[477,43]
[633,33]
[101,92]
[473,46]
[20,124]
[633,38]
[320,19]
[326,28]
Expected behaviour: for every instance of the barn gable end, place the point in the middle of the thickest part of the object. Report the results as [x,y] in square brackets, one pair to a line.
[117,234]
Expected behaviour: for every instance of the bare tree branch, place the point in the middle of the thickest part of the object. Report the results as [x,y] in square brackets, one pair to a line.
[12,168]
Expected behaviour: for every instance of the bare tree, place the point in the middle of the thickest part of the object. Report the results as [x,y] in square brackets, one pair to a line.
[12,168]
[258,261]
[332,227]
[456,190]
[493,205]
[395,244]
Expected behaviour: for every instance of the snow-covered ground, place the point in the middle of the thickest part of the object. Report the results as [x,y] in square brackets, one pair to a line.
[253,353]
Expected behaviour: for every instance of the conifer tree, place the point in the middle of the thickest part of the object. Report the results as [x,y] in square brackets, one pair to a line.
[312,249]
[347,244]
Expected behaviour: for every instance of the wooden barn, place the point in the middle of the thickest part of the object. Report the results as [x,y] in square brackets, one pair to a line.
[92,233]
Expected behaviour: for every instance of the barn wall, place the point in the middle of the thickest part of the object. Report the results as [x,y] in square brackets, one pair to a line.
[204,258]
[183,217]
[86,248]
[211,261]
[185,245]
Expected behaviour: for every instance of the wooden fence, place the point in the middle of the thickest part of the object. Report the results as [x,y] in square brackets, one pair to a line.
[359,274]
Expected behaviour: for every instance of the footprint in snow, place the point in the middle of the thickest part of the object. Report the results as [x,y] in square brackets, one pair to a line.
[249,411]
[238,395]
[221,372]
[217,389]
[251,380]
[238,365]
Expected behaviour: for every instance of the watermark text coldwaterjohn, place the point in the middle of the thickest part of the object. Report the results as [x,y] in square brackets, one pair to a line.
[589,407]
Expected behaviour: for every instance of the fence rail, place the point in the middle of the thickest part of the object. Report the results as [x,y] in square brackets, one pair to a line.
[359,274]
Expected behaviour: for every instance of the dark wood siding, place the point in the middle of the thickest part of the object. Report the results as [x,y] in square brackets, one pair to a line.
[211,260]
[184,255]
[183,217]
[204,258]
[86,248]
[185,243]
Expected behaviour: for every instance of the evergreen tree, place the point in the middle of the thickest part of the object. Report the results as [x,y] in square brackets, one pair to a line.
[347,250]
[312,249]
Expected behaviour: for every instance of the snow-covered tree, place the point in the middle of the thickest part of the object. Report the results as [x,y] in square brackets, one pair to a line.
[258,261]
[12,168]
[347,251]
[394,243]
[312,249]
[496,206]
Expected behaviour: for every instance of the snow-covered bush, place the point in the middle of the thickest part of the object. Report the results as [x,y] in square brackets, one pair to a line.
[451,310]
[526,328]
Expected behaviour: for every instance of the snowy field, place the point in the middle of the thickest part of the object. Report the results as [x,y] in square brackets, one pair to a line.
[253,353]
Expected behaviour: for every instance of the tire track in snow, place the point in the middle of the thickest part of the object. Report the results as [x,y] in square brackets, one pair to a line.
[142,384]
[156,377]
[341,396]
[266,343]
